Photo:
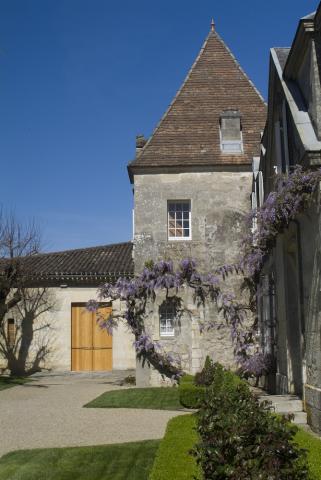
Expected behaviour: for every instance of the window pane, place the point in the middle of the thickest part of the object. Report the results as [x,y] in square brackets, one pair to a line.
[167,316]
[231,128]
[232,146]
[179,219]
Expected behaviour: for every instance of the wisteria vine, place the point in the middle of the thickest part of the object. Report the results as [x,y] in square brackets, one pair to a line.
[293,194]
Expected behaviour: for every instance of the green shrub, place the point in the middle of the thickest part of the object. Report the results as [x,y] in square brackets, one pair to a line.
[190,395]
[173,460]
[241,440]
[187,378]
[209,373]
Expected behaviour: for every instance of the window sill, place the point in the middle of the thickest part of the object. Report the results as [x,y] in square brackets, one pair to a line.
[231,153]
[179,239]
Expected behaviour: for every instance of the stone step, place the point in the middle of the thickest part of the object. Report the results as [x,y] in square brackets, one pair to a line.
[283,404]
[287,404]
[278,398]
[300,418]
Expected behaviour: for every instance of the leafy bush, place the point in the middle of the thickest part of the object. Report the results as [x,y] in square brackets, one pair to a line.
[209,373]
[241,439]
[192,390]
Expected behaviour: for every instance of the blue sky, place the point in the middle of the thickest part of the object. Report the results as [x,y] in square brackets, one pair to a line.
[80,78]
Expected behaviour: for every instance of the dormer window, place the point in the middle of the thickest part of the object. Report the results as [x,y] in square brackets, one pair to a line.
[231,132]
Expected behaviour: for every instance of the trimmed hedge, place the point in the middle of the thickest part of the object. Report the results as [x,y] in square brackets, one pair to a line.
[187,378]
[173,459]
[192,390]
[190,395]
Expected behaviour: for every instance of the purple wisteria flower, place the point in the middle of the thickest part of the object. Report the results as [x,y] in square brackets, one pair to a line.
[92,305]
[293,194]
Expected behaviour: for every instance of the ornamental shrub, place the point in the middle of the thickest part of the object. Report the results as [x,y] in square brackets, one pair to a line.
[215,375]
[209,373]
[242,440]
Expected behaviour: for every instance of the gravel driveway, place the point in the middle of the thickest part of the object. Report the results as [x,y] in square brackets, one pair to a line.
[48,412]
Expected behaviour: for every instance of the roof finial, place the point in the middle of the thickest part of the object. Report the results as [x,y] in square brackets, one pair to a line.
[212,25]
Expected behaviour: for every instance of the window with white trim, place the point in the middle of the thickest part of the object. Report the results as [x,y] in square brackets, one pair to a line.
[231,137]
[167,319]
[179,219]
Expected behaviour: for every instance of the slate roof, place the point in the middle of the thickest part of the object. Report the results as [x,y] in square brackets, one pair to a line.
[84,265]
[188,133]
[282,54]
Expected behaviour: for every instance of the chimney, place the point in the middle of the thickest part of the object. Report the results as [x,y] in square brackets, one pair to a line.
[140,143]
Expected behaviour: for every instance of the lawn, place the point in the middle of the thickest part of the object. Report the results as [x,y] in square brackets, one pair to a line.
[173,460]
[8,382]
[127,461]
[313,445]
[164,398]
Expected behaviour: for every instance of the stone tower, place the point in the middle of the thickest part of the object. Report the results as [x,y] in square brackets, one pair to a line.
[192,185]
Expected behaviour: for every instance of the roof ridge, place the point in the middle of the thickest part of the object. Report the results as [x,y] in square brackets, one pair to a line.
[81,249]
[239,66]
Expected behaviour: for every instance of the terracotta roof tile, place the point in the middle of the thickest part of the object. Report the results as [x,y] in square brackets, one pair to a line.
[188,133]
[84,265]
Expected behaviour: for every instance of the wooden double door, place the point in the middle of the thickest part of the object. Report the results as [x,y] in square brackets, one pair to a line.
[91,345]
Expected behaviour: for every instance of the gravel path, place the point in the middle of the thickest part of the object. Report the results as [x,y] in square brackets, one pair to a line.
[48,412]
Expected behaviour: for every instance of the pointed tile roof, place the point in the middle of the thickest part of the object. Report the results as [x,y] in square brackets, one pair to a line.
[188,133]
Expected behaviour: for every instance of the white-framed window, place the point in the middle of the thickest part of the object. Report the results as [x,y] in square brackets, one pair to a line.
[231,137]
[167,318]
[179,220]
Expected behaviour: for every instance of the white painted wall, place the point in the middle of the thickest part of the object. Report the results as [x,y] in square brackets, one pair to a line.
[60,333]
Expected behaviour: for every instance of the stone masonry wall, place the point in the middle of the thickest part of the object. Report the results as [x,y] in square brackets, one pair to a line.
[219,203]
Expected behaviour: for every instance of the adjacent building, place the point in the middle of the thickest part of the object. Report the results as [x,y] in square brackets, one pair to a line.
[289,303]
[67,335]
